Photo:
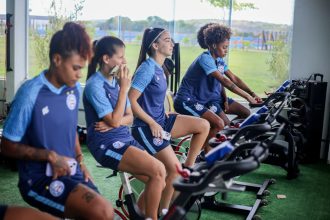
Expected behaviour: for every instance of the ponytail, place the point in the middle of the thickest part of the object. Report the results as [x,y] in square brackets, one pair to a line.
[144,48]
[105,46]
[150,36]
[92,65]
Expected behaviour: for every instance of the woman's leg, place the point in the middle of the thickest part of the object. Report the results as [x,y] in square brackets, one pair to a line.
[239,110]
[84,203]
[15,212]
[140,163]
[169,159]
[198,127]
[224,117]
[216,123]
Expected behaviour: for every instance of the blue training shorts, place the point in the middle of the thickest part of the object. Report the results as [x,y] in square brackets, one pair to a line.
[153,145]
[196,109]
[109,154]
[50,195]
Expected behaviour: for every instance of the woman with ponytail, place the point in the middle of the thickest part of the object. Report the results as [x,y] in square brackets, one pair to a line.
[152,128]
[108,108]
[40,131]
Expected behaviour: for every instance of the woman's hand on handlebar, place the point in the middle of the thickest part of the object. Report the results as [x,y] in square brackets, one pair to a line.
[251,100]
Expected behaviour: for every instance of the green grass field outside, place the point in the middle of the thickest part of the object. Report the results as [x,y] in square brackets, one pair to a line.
[251,66]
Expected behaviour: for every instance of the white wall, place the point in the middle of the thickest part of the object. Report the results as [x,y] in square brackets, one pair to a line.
[311,45]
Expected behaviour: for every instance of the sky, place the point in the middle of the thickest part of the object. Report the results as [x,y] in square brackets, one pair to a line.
[272,11]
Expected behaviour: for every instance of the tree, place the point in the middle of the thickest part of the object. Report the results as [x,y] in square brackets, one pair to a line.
[226,4]
[156,21]
[57,18]
[279,60]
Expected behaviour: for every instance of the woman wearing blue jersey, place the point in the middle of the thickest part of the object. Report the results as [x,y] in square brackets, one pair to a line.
[40,131]
[151,126]
[201,91]
[105,99]
[228,104]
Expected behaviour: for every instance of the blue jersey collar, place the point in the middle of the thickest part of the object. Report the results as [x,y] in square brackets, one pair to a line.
[110,83]
[154,61]
[50,85]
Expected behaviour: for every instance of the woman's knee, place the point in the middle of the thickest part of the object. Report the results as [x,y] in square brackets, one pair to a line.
[157,171]
[171,174]
[245,113]
[218,124]
[204,125]
[102,209]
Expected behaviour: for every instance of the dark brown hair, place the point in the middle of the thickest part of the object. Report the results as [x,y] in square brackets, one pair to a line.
[71,39]
[215,34]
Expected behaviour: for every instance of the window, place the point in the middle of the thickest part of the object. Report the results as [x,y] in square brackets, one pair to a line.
[2,38]
[259,48]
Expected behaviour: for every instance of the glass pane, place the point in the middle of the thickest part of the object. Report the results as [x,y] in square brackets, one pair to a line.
[260,44]
[128,23]
[2,38]
[261,36]
[101,17]
[187,24]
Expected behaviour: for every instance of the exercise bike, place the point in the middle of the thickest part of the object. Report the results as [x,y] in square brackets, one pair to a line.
[218,171]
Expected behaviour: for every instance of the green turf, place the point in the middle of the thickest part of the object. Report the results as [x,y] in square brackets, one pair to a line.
[307,196]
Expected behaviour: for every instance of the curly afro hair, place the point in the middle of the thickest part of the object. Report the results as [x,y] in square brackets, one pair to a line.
[215,34]
[200,35]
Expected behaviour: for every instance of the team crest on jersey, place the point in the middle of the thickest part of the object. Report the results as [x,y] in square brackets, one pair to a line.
[71,101]
[213,108]
[199,107]
[56,188]
[157,141]
[118,144]
[221,69]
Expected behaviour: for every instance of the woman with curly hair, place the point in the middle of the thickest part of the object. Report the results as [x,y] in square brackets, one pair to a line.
[201,92]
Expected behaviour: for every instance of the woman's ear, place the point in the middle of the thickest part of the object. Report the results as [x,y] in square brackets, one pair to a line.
[106,59]
[155,45]
[57,59]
